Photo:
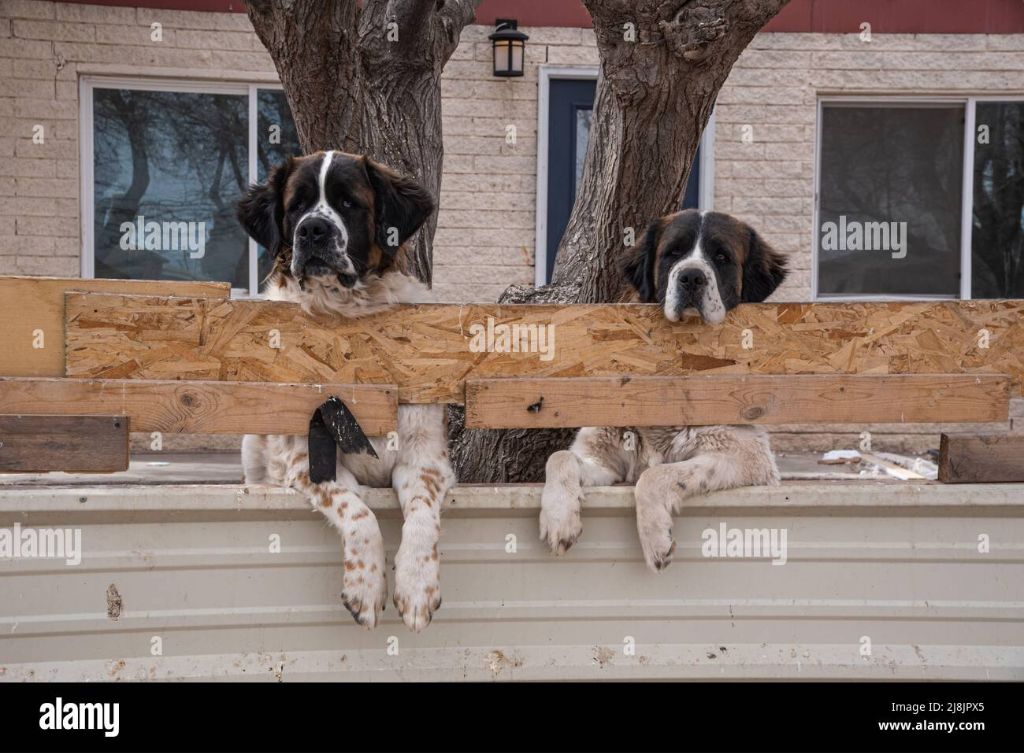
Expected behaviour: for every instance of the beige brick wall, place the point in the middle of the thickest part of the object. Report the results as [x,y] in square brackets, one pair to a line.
[485,239]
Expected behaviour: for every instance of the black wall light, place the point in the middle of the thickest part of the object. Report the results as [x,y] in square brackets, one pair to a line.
[509,48]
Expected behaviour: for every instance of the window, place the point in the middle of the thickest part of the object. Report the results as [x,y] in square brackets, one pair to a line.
[163,166]
[997,217]
[920,199]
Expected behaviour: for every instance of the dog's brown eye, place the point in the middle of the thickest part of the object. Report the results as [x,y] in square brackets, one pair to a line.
[721,258]
[346,203]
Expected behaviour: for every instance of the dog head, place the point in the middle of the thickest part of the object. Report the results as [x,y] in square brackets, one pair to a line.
[333,216]
[704,263]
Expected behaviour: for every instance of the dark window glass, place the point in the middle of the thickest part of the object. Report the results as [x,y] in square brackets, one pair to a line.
[890,200]
[169,167]
[997,237]
[276,141]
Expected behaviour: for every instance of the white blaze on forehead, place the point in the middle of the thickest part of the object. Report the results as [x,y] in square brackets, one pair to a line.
[710,306]
[322,180]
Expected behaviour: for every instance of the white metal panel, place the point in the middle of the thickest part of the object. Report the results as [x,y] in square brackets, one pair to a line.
[898,564]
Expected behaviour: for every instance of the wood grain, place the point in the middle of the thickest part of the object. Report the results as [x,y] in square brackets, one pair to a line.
[426,349]
[733,399]
[194,407]
[980,458]
[32,310]
[76,444]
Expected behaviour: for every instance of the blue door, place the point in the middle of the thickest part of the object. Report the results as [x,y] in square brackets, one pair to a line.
[571,105]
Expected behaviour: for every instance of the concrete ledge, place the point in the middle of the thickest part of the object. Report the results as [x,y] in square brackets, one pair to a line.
[877,497]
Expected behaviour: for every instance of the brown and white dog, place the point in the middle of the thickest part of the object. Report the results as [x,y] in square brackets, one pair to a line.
[691,262]
[335,224]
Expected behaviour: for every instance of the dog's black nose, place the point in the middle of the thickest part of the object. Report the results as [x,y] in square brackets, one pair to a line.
[692,279]
[313,230]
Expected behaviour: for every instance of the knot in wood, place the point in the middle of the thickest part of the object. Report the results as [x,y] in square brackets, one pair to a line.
[753,412]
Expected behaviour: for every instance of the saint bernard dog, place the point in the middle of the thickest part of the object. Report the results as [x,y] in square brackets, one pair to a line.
[336,225]
[690,263]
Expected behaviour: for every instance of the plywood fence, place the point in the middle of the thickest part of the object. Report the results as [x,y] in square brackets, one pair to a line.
[191,360]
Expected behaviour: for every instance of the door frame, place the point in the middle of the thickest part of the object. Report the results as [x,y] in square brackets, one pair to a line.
[706,192]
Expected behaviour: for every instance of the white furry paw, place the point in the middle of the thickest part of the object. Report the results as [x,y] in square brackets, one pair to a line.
[417,586]
[657,542]
[654,516]
[560,520]
[364,584]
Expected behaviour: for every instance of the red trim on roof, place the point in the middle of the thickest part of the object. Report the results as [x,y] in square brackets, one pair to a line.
[902,16]
[535,12]
[827,16]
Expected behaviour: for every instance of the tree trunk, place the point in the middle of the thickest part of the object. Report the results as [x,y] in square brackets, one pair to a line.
[663,63]
[367,80]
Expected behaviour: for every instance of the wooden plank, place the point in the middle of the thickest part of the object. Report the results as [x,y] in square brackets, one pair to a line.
[734,399]
[32,310]
[202,407]
[429,350]
[981,458]
[76,444]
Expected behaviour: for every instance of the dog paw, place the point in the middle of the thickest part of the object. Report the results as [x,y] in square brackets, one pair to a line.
[364,584]
[654,516]
[560,520]
[417,587]
[658,548]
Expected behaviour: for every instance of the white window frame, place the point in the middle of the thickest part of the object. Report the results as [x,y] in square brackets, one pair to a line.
[969,103]
[546,73]
[89,83]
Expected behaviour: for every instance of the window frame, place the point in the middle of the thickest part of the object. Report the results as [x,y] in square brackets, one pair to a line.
[88,83]
[706,189]
[969,102]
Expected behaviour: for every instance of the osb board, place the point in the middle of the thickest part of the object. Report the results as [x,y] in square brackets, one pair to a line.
[197,407]
[428,350]
[735,399]
[75,444]
[32,312]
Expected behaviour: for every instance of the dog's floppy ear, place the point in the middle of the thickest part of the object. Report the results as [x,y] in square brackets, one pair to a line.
[401,206]
[638,264]
[764,269]
[261,210]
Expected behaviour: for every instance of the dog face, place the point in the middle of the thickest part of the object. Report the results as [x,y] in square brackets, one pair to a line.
[333,216]
[704,263]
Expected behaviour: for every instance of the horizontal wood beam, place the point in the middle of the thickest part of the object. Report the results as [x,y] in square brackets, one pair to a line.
[32,312]
[980,458]
[76,444]
[734,399]
[430,350]
[196,407]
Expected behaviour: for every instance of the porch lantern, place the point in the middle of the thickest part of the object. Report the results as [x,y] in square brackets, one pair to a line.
[509,47]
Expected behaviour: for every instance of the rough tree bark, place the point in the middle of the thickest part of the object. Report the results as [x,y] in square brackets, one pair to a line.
[655,94]
[365,77]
